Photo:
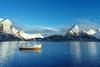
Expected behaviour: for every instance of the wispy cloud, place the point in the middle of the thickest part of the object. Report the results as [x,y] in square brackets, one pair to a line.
[43,30]
[87,24]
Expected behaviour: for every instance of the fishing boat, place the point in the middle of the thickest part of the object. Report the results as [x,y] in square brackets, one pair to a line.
[33,47]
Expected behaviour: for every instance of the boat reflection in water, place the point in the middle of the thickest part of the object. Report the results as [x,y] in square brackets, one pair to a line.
[27,51]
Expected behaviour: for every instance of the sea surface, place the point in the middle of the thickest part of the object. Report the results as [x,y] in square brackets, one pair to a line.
[52,54]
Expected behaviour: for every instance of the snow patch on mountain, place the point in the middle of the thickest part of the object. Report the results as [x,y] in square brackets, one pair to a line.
[91,32]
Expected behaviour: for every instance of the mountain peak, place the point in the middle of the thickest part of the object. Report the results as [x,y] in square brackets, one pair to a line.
[75,26]
[74,30]
[6,21]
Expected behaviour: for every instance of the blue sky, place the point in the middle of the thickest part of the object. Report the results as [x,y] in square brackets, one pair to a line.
[49,13]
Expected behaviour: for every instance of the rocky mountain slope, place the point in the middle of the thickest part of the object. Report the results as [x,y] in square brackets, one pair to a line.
[8,32]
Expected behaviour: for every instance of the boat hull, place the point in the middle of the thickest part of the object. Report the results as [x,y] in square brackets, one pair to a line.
[29,48]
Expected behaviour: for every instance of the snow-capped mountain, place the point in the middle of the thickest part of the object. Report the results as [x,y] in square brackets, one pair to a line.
[5,25]
[76,33]
[7,28]
[74,30]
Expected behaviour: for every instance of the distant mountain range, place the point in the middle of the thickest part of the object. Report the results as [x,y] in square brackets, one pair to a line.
[8,33]
[76,34]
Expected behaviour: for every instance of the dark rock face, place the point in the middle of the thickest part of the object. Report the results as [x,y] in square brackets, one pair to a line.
[8,37]
[54,38]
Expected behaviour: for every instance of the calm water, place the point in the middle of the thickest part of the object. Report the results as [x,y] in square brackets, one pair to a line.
[53,54]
